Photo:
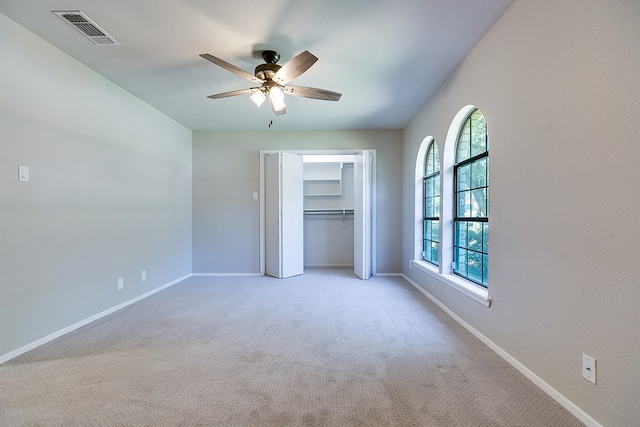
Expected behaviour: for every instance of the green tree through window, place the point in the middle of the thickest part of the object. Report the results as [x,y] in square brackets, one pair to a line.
[471,219]
[431,208]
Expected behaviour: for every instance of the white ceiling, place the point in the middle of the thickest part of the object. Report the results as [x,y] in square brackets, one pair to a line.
[385,56]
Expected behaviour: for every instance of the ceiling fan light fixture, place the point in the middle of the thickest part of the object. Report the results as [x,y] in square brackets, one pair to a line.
[276,99]
[257,98]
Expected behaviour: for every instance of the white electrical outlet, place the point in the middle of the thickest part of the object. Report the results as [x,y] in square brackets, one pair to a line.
[143,276]
[589,368]
[120,283]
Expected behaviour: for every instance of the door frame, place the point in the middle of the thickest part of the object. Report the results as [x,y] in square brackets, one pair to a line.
[265,153]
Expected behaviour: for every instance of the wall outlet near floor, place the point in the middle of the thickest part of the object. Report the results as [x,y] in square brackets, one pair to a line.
[120,283]
[143,275]
[589,368]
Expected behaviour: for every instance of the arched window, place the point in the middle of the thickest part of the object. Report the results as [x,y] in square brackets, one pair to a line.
[431,207]
[471,210]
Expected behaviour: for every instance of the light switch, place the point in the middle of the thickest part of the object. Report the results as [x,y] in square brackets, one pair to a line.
[255,195]
[589,368]
[23,173]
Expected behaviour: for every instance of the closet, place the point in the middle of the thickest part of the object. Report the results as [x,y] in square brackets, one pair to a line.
[328,210]
[316,211]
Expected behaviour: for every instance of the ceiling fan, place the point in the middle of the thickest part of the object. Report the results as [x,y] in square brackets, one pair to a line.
[273,80]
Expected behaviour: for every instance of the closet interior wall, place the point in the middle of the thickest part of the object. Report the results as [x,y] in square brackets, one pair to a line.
[328,218]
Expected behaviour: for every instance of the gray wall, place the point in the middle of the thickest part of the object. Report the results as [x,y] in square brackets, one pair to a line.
[558,84]
[109,196]
[226,220]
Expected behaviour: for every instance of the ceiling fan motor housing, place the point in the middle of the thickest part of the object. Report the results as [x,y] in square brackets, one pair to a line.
[266,71]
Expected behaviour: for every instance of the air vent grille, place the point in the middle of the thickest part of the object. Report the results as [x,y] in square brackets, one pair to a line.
[85,26]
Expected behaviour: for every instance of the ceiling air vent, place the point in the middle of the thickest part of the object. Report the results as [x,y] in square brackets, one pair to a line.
[87,27]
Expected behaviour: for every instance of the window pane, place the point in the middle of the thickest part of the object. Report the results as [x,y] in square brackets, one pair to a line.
[461,261]
[461,234]
[485,270]
[436,157]
[428,187]
[478,133]
[435,252]
[436,184]
[486,192]
[432,161]
[479,173]
[428,164]
[479,203]
[427,250]
[464,205]
[464,178]
[474,236]
[475,266]
[464,142]
[485,237]
[427,229]
[487,173]
[435,233]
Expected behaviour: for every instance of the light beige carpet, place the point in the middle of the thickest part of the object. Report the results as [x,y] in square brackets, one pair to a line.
[321,349]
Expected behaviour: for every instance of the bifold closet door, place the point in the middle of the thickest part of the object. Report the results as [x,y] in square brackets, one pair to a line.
[284,220]
[362,193]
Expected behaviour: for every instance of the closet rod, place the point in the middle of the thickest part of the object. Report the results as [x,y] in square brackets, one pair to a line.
[328,211]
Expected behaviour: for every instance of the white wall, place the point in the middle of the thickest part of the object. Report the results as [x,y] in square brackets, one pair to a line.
[558,84]
[109,196]
[226,221]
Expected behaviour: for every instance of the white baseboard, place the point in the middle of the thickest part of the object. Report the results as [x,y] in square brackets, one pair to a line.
[555,394]
[63,331]
[389,274]
[226,274]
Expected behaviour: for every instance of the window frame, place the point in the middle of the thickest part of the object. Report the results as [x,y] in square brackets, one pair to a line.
[442,274]
[427,178]
[458,218]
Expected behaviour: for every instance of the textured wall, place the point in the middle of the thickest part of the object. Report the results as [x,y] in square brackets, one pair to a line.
[109,196]
[558,83]
[226,172]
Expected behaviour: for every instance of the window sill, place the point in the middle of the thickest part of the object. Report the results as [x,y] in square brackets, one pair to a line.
[473,291]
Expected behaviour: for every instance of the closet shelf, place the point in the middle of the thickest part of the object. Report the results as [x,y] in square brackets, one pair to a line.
[322,179]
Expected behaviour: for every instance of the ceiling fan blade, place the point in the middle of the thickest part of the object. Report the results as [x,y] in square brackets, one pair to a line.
[233,93]
[312,92]
[230,67]
[294,67]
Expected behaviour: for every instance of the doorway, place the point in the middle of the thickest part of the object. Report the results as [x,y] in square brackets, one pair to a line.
[339,188]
